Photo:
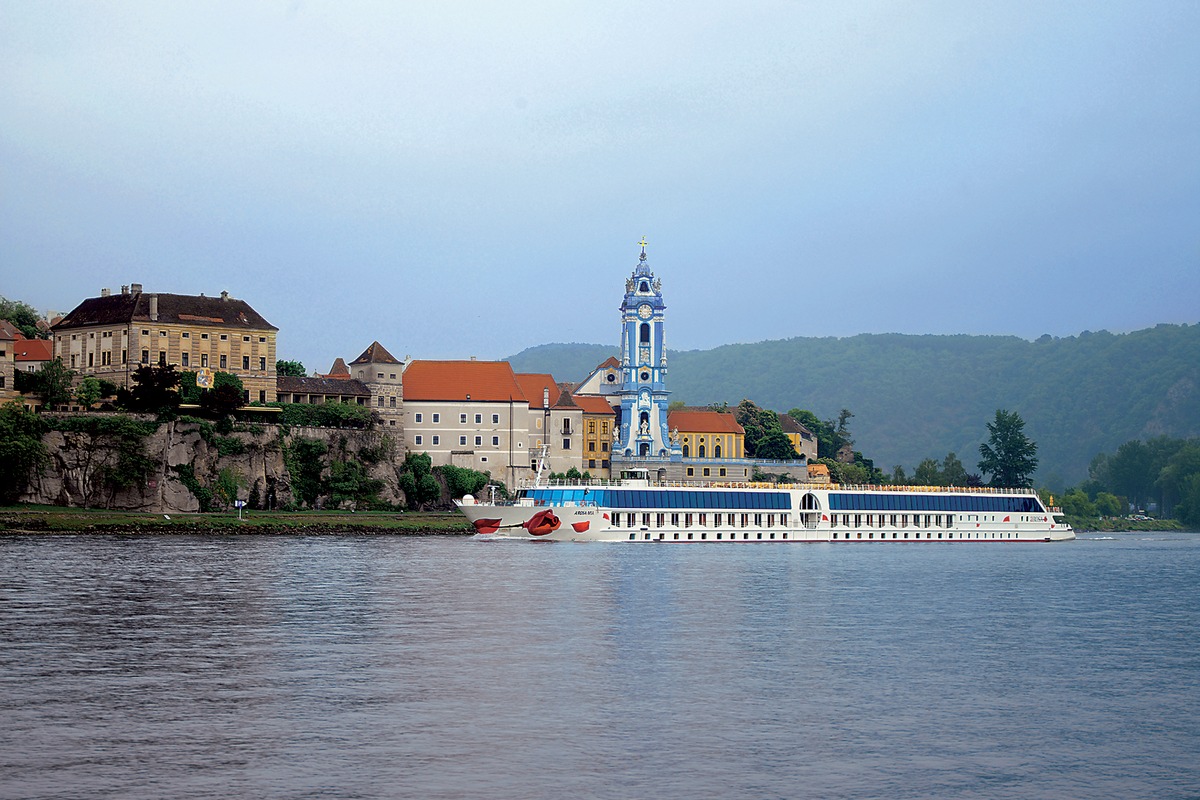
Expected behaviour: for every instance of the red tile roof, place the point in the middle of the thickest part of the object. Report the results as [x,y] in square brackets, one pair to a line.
[593,404]
[479,381]
[703,422]
[534,384]
[339,371]
[610,363]
[34,350]
[10,331]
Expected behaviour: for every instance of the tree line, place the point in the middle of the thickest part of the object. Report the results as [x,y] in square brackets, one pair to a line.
[1161,474]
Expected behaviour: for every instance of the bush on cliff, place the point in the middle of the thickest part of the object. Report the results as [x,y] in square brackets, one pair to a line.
[21,449]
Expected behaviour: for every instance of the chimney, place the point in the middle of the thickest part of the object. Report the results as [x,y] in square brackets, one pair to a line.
[224,295]
[545,397]
[136,288]
[124,289]
[105,292]
[153,308]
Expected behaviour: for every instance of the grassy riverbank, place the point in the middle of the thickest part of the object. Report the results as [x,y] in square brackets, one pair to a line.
[54,519]
[1119,525]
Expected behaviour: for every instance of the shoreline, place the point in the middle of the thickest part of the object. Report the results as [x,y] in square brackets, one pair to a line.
[43,520]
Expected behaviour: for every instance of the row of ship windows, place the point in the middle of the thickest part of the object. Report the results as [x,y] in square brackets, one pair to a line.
[844,501]
[892,520]
[699,520]
[784,535]
[714,500]
[717,536]
[928,535]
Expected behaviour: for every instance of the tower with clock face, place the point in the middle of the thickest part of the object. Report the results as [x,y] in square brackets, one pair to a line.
[643,394]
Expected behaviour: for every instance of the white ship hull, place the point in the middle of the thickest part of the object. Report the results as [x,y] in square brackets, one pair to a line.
[639,512]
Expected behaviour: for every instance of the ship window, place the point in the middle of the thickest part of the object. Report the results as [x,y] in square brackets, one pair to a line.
[677,536]
[632,536]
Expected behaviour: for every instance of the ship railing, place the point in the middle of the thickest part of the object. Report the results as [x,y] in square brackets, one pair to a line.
[871,487]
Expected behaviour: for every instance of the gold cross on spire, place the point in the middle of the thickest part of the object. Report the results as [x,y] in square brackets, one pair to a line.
[643,243]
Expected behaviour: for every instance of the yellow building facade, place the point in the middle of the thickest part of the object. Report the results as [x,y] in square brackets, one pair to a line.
[110,336]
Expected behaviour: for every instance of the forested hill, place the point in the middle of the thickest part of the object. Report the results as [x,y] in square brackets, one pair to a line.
[924,396]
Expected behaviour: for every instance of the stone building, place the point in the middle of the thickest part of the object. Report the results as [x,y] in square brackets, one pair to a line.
[598,421]
[555,421]
[9,336]
[803,440]
[111,335]
[470,414]
[713,445]
[383,375]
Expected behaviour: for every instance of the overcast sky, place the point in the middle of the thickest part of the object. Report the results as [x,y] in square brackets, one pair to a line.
[458,179]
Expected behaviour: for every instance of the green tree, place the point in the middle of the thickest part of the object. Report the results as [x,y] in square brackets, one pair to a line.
[23,316]
[928,473]
[899,475]
[21,450]
[953,471]
[764,435]
[155,390]
[460,481]
[225,397]
[1173,478]
[305,459]
[52,383]
[1076,504]
[88,392]
[293,369]
[1188,508]
[1108,505]
[1008,455]
[349,482]
[417,482]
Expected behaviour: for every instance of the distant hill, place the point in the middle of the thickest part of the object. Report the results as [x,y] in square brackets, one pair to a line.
[923,396]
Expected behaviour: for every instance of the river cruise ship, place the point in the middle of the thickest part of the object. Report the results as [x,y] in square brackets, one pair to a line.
[636,509]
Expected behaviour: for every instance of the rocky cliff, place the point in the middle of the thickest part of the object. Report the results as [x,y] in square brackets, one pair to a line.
[188,466]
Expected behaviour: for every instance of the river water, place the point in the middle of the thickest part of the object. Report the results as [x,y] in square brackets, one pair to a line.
[377,667]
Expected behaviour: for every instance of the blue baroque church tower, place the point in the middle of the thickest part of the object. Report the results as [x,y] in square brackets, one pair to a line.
[643,393]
